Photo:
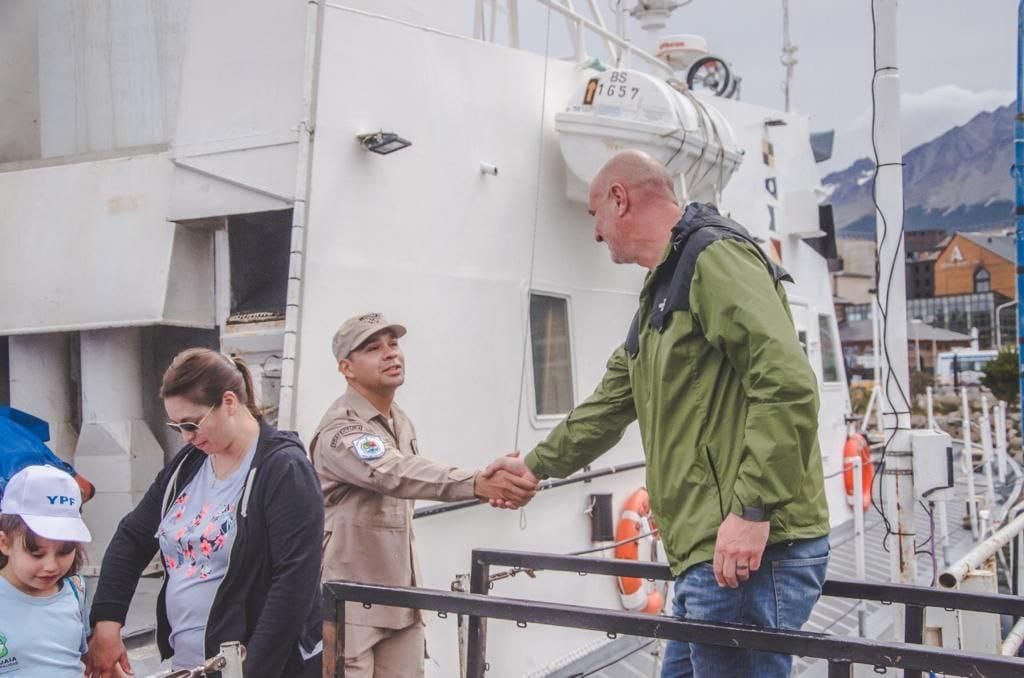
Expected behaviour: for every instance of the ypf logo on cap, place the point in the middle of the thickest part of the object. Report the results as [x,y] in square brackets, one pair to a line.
[49,502]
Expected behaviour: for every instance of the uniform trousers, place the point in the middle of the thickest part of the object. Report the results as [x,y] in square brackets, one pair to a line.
[373,652]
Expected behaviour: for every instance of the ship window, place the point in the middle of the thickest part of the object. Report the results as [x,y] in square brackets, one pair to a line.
[829,358]
[259,246]
[552,354]
[982,280]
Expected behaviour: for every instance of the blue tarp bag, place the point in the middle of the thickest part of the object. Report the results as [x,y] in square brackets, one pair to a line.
[23,443]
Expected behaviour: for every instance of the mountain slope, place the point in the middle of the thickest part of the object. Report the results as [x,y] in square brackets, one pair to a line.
[958,181]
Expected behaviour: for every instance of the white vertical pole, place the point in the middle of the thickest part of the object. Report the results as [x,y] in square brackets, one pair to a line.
[879,419]
[1020,558]
[876,390]
[479,30]
[513,24]
[931,409]
[595,11]
[221,274]
[986,455]
[968,464]
[858,535]
[575,27]
[872,400]
[898,468]
[1001,440]
[877,376]
[943,519]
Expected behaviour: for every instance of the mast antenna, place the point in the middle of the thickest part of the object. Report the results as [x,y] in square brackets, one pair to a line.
[788,58]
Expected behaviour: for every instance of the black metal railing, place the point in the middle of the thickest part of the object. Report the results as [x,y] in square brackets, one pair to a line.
[915,599]
[841,652]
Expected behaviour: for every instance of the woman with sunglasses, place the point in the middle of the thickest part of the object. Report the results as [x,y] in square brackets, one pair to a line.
[238,520]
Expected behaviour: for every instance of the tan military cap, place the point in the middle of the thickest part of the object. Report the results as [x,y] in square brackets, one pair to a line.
[358,329]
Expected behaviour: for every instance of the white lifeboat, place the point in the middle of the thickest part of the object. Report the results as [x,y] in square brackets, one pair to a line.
[621,109]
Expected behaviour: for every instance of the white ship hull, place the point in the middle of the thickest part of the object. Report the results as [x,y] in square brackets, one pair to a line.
[115,244]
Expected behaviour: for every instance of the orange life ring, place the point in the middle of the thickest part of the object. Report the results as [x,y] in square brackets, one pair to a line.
[635,520]
[857,446]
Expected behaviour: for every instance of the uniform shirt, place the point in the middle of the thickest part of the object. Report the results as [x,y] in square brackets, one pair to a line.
[196,537]
[40,637]
[370,472]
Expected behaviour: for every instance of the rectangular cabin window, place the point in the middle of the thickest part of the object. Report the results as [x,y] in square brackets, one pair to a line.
[552,355]
[829,358]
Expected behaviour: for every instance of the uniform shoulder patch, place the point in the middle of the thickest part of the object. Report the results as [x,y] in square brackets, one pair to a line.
[368,447]
[344,431]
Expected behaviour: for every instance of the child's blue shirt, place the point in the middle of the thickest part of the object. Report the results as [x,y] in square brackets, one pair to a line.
[42,637]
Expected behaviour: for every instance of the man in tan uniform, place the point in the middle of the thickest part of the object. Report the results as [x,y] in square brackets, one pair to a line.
[370,470]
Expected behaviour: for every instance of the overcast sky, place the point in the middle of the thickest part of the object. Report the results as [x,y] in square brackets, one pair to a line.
[957,58]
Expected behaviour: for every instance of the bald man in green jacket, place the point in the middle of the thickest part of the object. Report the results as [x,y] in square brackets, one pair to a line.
[727,405]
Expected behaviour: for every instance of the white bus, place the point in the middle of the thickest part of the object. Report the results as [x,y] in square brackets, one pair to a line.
[967,365]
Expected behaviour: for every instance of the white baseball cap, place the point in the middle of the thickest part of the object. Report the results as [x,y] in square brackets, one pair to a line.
[49,502]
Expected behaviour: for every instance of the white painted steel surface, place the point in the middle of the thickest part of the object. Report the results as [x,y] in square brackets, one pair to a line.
[234,146]
[87,245]
[40,384]
[109,73]
[421,235]
[116,448]
[425,238]
[19,80]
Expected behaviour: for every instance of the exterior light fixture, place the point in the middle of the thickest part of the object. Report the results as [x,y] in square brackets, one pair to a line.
[383,142]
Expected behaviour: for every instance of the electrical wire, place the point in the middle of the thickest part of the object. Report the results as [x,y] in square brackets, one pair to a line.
[533,236]
[513,571]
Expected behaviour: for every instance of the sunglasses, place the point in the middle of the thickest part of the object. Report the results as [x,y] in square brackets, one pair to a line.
[188,426]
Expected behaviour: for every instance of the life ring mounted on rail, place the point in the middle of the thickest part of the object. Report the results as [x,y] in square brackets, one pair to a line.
[857,446]
[634,521]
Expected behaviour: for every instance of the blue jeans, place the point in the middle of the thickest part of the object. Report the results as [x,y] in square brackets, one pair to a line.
[779,595]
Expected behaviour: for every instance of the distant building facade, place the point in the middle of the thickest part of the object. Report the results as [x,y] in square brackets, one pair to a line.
[977,262]
[957,283]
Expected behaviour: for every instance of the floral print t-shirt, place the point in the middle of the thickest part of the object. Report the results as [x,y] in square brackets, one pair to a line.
[196,536]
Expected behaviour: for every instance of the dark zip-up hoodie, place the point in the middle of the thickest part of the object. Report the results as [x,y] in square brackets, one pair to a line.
[269,598]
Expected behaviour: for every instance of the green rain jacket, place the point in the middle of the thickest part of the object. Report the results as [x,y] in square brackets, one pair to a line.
[725,398]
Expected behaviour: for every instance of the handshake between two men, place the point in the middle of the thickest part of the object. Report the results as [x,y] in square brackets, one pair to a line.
[506,482]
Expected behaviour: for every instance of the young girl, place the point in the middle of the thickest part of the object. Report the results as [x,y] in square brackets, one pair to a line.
[42,603]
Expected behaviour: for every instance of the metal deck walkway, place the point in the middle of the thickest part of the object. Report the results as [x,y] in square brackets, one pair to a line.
[640,657]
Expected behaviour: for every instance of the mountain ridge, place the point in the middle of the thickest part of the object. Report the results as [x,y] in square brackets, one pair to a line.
[958,181]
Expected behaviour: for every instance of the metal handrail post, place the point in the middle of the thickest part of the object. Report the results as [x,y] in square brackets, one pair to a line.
[476,645]
[968,465]
[858,538]
[866,421]
[837,669]
[1001,440]
[913,632]
[931,409]
[879,419]
[986,454]
[333,638]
